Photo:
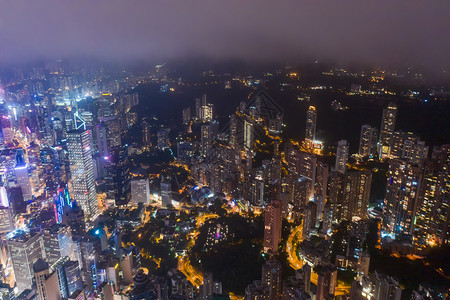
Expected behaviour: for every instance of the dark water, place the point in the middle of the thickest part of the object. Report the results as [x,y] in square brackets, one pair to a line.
[430,121]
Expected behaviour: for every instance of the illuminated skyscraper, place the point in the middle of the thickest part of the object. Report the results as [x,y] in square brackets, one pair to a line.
[208,134]
[166,192]
[357,193]
[186,115]
[58,243]
[385,287]
[140,191]
[204,109]
[22,176]
[25,248]
[82,172]
[349,194]
[146,136]
[433,213]
[306,164]
[163,139]
[387,129]
[6,220]
[5,122]
[326,282]
[271,276]
[368,141]
[272,227]
[402,193]
[342,156]
[311,119]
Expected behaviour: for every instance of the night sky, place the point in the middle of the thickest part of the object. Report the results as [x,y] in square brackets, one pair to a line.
[355,31]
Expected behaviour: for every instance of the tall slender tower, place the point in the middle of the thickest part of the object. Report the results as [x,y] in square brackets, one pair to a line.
[82,172]
[367,141]
[311,119]
[22,177]
[387,128]
[402,194]
[342,156]
[272,227]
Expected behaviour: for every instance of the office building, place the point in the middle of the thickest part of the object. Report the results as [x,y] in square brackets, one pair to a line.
[73,276]
[25,248]
[47,284]
[58,243]
[22,176]
[140,191]
[342,153]
[82,172]
[166,192]
[6,220]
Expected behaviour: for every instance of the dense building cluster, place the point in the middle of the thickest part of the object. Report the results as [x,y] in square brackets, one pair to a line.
[82,170]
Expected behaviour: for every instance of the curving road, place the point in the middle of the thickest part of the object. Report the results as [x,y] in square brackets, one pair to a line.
[294,239]
[184,265]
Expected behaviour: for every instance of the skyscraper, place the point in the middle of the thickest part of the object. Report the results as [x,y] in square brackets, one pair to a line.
[385,287]
[186,115]
[349,194]
[163,139]
[356,193]
[140,191]
[368,141]
[311,119]
[25,248]
[272,227]
[166,191]
[6,220]
[271,276]
[82,172]
[326,282]
[58,243]
[433,213]
[342,156]
[306,164]
[22,176]
[208,134]
[402,193]
[387,129]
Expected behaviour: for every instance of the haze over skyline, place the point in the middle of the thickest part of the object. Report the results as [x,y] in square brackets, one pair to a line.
[369,32]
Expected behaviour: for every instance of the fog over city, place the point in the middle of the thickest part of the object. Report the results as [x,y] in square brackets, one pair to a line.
[352,31]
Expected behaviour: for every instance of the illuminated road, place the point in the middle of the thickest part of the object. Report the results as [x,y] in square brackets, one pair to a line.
[203,218]
[296,263]
[193,275]
[184,265]
[294,238]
